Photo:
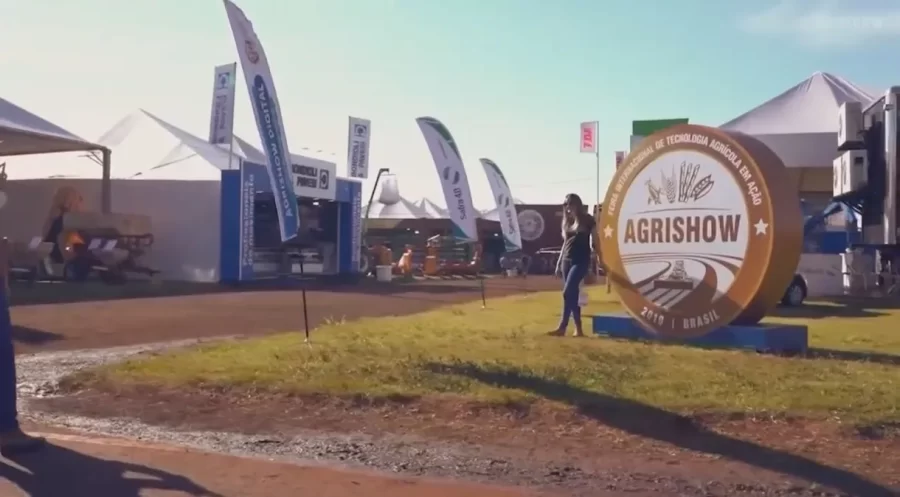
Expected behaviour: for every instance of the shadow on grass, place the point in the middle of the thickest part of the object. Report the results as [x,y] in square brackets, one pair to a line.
[852,355]
[58,471]
[31,336]
[813,310]
[891,302]
[651,422]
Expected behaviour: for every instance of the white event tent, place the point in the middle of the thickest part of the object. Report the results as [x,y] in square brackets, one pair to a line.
[160,171]
[25,133]
[801,124]
[389,204]
[401,209]
[432,210]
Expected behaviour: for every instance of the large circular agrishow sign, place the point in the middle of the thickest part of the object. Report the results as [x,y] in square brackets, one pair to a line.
[701,228]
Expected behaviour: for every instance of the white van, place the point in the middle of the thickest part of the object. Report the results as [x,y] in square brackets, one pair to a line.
[820,271]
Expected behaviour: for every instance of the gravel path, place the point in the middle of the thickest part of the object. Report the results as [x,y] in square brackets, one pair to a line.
[39,375]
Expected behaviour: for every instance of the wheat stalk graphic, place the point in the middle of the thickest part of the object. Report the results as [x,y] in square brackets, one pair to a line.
[670,186]
[688,175]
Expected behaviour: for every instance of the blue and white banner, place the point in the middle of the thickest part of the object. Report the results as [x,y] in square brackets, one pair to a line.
[452,174]
[248,201]
[358,134]
[221,115]
[356,227]
[506,206]
[269,121]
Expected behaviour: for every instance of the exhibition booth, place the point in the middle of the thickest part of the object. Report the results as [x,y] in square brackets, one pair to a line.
[328,242]
[194,200]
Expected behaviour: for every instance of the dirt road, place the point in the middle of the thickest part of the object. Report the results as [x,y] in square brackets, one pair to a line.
[91,466]
[129,321]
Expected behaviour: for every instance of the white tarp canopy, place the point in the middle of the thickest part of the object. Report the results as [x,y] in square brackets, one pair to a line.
[184,214]
[432,209]
[143,146]
[22,133]
[800,125]
[147,147]
[389,204]
[161,171]
[402,209]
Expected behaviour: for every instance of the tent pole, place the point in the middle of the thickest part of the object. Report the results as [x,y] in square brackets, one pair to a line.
[106,183]
[372,197]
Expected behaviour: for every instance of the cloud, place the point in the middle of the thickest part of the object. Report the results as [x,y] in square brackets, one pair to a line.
[825,24]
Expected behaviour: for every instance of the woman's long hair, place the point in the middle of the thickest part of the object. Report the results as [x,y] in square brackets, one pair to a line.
[572,222]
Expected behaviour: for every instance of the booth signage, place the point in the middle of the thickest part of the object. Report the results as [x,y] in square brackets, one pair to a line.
[269,122]
[452,175]
[620,156]
[358,147]
[221,118]
[356,237]
[315,179]
[690,235]
[589,137]
[506,205]
[248,197]
[531,225]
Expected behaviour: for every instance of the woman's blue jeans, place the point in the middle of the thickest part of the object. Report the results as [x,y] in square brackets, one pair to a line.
[8,414]
[573,274]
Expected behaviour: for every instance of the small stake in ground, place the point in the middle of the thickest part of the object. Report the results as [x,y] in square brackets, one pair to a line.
[483,300]
[303,294]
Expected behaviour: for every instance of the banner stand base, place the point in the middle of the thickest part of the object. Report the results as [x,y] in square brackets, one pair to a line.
[768,338]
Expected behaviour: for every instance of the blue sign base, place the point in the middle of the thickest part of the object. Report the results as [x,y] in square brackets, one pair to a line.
[765,337]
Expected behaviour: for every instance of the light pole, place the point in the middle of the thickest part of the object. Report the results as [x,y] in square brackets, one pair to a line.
[364,255]
[381,171]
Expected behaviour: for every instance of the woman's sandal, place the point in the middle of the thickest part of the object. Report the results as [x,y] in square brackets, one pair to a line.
[557,333]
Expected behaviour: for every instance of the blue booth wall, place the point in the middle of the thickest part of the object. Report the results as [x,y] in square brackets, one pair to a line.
[239,189]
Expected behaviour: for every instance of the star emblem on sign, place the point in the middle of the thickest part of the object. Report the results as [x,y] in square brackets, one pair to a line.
[761,227]
[608,231]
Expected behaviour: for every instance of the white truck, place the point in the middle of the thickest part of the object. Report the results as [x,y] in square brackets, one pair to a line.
[820,272]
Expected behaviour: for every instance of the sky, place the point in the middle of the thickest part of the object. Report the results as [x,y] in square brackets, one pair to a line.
[511,79]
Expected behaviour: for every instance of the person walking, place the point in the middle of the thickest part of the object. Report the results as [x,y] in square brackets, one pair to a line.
[579,236]
[12,439]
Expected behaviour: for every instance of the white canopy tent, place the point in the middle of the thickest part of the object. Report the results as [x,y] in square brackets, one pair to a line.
[25,133]
[148,147]
[402,209]
[800,125]
[141,137]
[182,201]
[162,171]
[145,147]
[432,209]
[389,204]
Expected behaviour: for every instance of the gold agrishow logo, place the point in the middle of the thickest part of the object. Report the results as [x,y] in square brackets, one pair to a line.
[701,228]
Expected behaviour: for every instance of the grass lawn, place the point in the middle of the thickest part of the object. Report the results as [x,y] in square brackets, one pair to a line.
[457,350]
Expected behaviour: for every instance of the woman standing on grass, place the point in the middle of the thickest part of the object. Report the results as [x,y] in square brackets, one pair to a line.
[574,259]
